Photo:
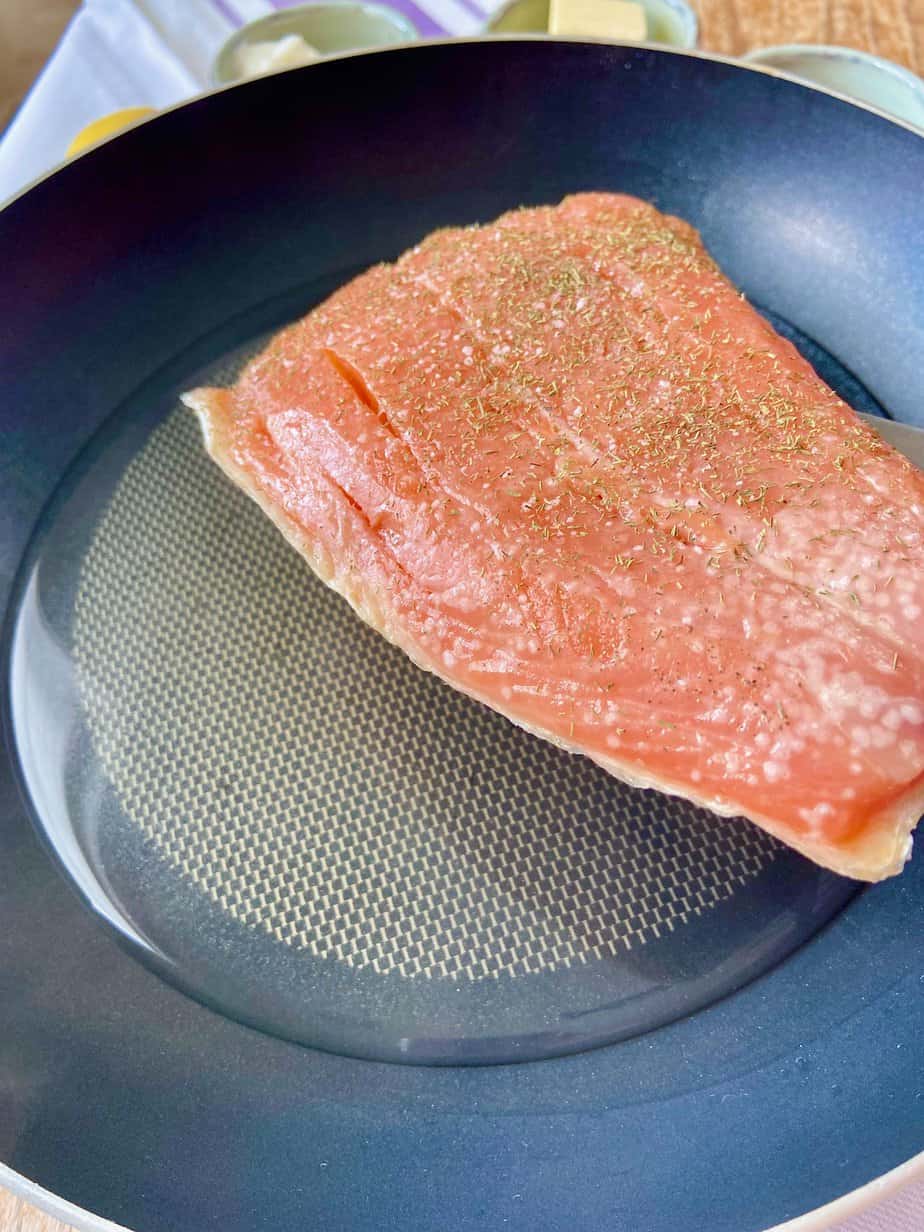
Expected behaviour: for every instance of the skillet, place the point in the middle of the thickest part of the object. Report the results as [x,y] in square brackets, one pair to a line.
[167,251]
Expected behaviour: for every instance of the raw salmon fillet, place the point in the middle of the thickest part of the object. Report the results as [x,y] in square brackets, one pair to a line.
[563,464]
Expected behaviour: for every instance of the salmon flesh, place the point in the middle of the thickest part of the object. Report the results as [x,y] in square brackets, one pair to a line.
[562,463]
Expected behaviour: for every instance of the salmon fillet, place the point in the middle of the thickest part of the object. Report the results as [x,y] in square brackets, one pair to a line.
[563,464]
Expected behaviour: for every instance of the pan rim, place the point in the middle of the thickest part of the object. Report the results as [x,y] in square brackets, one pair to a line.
[823,1218]
[479,40]
[853,1201]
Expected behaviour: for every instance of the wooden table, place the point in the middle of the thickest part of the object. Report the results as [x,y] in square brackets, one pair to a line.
[890,28]
[16,1216]
[29,30]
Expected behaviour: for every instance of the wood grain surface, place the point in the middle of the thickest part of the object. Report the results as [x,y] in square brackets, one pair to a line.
[16,1216]
[29,30]
[890,28]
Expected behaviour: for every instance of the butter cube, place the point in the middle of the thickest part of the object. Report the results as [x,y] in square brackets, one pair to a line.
[612,19]
[290,51]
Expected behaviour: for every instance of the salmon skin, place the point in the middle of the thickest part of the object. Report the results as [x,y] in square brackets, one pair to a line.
[563,464]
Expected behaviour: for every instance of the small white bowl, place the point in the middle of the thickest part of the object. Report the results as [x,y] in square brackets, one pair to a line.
[329,26]
[867,78]
[671,23]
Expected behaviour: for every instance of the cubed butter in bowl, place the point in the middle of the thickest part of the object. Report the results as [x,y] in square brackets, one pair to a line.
[671,22]
[617,19]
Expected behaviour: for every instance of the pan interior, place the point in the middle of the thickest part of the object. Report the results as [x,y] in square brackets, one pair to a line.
[295,824]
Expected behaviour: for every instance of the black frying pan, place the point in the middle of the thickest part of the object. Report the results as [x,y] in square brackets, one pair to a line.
[120,272]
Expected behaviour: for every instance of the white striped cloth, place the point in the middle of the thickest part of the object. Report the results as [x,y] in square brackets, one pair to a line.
[126,53]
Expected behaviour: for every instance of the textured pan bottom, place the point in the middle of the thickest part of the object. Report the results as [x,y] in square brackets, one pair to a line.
[300,827]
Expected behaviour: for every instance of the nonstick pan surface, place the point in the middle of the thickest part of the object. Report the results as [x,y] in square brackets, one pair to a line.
[715,1089]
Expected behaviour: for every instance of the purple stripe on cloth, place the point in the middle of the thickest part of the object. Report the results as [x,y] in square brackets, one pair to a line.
[227,12]
[423,21]
[474,9]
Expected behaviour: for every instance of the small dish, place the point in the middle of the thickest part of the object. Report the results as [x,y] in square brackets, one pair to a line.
[671,23]
[862,76]
[331,26]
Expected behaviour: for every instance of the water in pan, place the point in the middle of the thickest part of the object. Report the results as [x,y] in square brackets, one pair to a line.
[292,822]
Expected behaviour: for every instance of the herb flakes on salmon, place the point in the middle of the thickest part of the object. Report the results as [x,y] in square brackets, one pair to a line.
[563,464]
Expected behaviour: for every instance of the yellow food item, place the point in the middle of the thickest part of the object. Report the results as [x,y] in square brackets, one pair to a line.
[107,126]
[613,19]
